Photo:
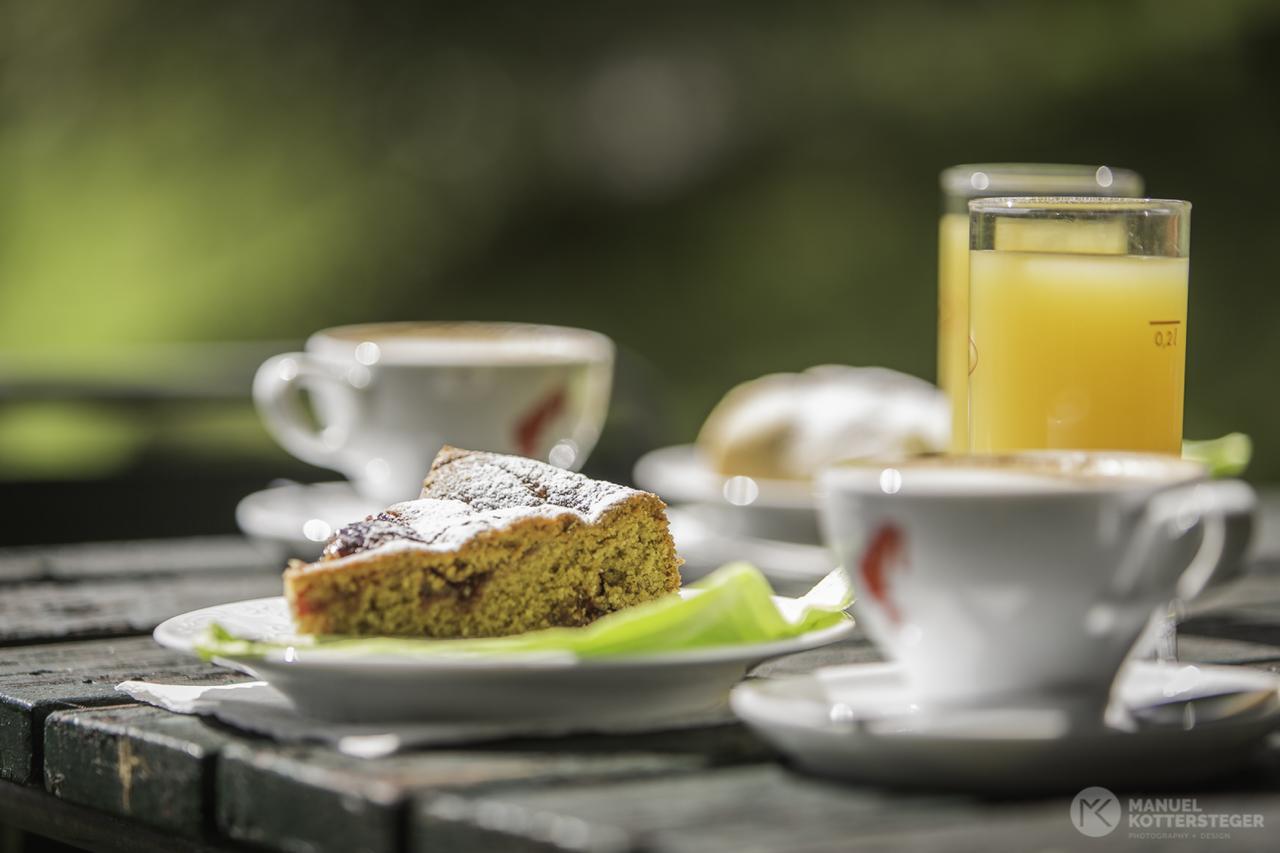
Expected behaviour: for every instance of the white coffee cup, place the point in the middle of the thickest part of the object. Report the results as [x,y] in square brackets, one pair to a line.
[1026,579]
[387,396]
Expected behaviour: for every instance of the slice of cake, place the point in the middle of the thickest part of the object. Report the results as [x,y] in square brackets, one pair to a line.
[496,545]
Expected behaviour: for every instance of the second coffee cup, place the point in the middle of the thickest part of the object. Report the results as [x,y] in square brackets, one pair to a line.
[387,396]
[1026,579]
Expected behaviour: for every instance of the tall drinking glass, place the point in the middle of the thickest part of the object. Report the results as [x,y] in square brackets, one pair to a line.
[960,185]
[1078,316]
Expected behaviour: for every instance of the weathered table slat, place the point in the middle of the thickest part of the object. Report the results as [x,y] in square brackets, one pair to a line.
[49,609]
[199,555]
[763,807]
[124,588]
[24,708]
[315,798]
[135,761]
[35,681]
[769,809]
[34,810]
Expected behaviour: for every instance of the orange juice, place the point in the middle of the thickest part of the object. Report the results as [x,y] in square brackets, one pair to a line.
[1075,350]
[953,322]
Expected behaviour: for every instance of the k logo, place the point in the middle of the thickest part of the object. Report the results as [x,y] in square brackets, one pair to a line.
[1095,812]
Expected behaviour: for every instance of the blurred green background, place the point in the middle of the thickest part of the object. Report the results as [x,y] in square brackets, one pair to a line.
[726,189]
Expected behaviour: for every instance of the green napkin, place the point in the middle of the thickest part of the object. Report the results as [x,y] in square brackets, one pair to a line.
[734,606]
[1227,456]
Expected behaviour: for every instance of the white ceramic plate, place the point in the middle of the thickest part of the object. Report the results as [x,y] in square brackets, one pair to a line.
[792,567]
[782,510]
[861,723]
[301,516]
[534,686]
[682,474]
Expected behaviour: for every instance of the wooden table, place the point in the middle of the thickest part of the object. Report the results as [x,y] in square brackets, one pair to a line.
[80,763]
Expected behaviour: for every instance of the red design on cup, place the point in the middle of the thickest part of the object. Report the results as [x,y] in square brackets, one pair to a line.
[529,428]
[885,554]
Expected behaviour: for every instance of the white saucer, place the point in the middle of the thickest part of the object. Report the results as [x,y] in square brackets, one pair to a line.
[326,684]
[789,566]
[860,723]
[783,510]
[681,473]
[301,516]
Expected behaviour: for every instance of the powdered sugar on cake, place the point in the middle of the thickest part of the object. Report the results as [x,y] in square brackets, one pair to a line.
[488,481]
[470,493]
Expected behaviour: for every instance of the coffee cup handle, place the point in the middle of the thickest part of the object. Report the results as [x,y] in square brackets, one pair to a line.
[1224,509]
[277,390]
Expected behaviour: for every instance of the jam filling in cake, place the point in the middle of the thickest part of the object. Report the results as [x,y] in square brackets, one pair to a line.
[495,545]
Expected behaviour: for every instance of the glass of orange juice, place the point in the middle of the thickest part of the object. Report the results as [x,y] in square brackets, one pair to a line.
[1078,321]
[960,185]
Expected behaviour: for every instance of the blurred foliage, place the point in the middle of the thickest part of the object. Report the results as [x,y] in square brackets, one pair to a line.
[47,440]
[726,189]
